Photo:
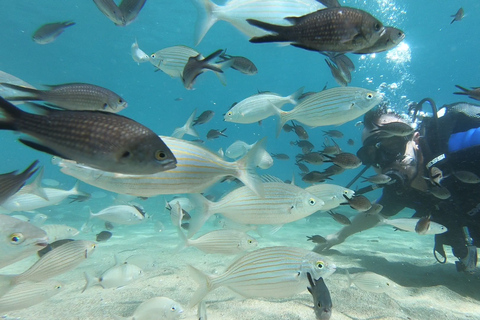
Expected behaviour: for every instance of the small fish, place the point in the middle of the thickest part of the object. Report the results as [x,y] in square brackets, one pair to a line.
[158,308]
[121,214]
[138,55]
[303,144]
[340,218]
[52,246]
[396,128]
[440,192]
[187,128]
[337,74]
[315,158]
[11,182]
[109,225]
[388,40]
[272,272]
[466,177]
[332,195]
[317,239]
[423,225]
[50,31]
[196,66]
[241,64]
[119,275]
[333,134]
[214,134]
[280,156]
[436,176]
[378,179]
[329,149]
[57,232]
[302,167]
[409,225]
[315,176]
[371,282]
[458,16]
[322,302]
[350,142]
[103,236]
[358,202]
[287,128]
[102,140]
[205,117]
[333,170]
[300,131]
[130,9]
[345,160]
[28,294]
[111,11]
[473,93]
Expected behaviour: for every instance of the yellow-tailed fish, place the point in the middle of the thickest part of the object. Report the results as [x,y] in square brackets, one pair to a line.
[197,169]
[28,294]
[273,272]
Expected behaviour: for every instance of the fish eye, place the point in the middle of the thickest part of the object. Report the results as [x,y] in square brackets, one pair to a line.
[311,201]
[126,154]
[369,96]
[120,100]
[229,113]
[250,241]
[160,155]
[173,309]
[153,56]
[376,26]
[320,264]
[16,238]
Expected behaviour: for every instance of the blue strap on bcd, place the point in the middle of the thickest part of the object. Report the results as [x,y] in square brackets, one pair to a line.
[463,140]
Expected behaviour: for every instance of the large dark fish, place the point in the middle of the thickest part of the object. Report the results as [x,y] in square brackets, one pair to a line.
[196,66]
[102,140]
[322,302]
[11,182]
[50,31]
[130,9]
[388,40]
[473,93]
[333,29]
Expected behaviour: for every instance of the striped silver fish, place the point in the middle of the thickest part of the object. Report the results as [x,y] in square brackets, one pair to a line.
[197,169]
[280,203]
[59,232]
[331,194]
[332,107]
[237,12]
[28,294]
[273,272]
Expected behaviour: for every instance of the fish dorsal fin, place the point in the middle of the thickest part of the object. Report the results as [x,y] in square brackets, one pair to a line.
[269,178]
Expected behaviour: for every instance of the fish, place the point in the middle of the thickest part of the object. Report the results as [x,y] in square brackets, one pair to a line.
[287,128]
[130,10]
[337,74]
[239,63]
[47,33]
[390,38]
[334,106]
[333,170]
[281,203]
[350,142]
[315,158]
[340,218]
[18,240]
[378,179]
[259,107]
[466,176]
[137,149]
[272,272]
[158,307]
[345,160]
[338,29]
[52,245]
[303,144]
[197,169]
[119,275]
[440,192]
[371,282]
[317,239]
[299,131]
[358,202]
[333,133]
[394,129]
[57,232]
[214,134]
[458,16]
[423,225]
[315,176]
[111,11]
[435,176]
[138,55]
[204,117]
[11,182]
[27,294]
[121,214]
[237,11]
[280,156]
[473,93]
[187,128]
[72,96]
[322,302]
[8,78]
[60,260]
[239,148]
[409,224]
[331,149]
[196,66]
[303,168]
[103,236]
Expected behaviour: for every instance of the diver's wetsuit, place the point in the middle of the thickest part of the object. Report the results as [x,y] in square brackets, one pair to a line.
[462,208]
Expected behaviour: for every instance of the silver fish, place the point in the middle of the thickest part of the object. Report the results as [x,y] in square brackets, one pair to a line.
[59,232]
[121,214]
[27,294]
[72,96]
[371,282]
[467,177]
[111,11]
[99,139]
[187,128]
[50,31]
[119,275]
[196,66]
[137,54]
[409,224]
[345,160]
[159,308]
[11,182]
[273,272]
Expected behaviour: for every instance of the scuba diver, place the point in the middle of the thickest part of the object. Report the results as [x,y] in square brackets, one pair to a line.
[435,170]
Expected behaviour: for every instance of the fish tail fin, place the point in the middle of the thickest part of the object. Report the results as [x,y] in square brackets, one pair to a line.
[284,117]
[10,113]
[350,279]
[202,207]
[30,93]
[78,195]
[279,30]
[90,281]
[293,98]
[68,23]
[206,61]
[465,90]
[206,18]
[222,78]
[204,282]
[247,165]
[223,65]
[184,240]
[189,129]
[36,186]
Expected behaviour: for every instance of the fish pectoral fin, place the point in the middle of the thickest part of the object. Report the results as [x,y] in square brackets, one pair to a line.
[42,148]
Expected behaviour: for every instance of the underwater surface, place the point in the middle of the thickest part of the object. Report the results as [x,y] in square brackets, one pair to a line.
[435,56]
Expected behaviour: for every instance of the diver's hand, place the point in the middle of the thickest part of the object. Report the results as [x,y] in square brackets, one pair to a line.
[332,240]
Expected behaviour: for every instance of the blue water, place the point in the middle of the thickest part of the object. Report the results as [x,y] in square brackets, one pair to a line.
[434,57]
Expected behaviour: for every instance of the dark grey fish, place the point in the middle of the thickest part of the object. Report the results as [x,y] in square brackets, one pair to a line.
[109,225]
[315,158]
[205,117]
[322,302]
[11,182]
[72,96]
[340,218]
[52,246]
[350,142]
[111,11]
[333,29]
[388,40]
[469,109]
[196,66]
[50,31]
[302,167]
[240,63]
[334,134]
[317,239]
[333,170]
[280,156]
[130,9]
[473,93]
[300,131]
[359,202]
[344,62]
[102,140]
[458,16]
[337,74]
[422,225]
[214,134]
[345,160]
[308,94]
[287,127]
[397,128]
[103,236]
[315,176]
[303,144]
